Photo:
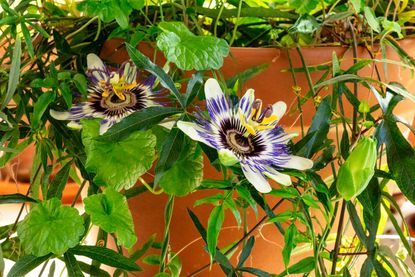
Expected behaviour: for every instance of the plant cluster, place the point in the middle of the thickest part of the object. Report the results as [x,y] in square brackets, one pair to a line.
[123,130]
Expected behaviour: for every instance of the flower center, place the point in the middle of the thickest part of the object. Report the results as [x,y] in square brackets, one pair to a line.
[259,119]
[239,143]
[117,85]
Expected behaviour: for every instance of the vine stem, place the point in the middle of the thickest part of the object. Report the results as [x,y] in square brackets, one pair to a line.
[242,239]
[336,249]
[78,193]
[168,213]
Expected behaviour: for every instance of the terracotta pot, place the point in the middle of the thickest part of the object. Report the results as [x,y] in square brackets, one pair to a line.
[273,84]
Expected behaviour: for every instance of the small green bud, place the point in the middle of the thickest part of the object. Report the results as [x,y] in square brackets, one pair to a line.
[364,107]
[356,172]
[227,157]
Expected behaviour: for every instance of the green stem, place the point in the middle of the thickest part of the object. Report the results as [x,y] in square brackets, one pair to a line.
[236,23]
[168,212]
[307,72]
[297,89]
[215,27]
[336,249]
[83,27]
[355,84]
[150,189]
[78,193]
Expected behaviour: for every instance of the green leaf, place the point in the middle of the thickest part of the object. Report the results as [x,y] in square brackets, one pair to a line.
[40,107]
[287,192]
[50,228]
[304,266]
[305,24]
[106,256]
[109,210]
[136,4]
[357,5]
[319,128]
[189,51]
[169,153]
[215,222]
[194,87]
[303,7]
[186,174]
[15,198]
[401,158]
[289,243]
[152,259]
[198,224]
[246,252]
[371,19]
[26,264]
[284,216]
[14,74]
[2,264]
[141,120]
[81,83]
[117,164]
[59,182]
[72,265]
[27,38]
[144,62]
[92,270]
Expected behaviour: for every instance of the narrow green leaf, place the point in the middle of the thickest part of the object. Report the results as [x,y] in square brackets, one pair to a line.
[27,38]
[246,251]
[215,222]
[141,120]
[92,270]
[289,243]
[40,107]
[401,158]
[59,182]
[72,265]
[2,263]
[319,127]
[14,74]
[140,252]
[194,87]
[304,266]
[26,264]
[170,152]
[143,62]
[357,224]
[15,198]
[255,271]
[287,192]
[284,216]
[106,256]
[81,83]
[371,19]
[52,269]
[198,224]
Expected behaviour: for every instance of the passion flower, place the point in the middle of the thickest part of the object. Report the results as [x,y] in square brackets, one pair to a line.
[246,133]
[112,96]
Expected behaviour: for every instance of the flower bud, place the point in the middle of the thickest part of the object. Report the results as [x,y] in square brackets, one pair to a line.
[356,172]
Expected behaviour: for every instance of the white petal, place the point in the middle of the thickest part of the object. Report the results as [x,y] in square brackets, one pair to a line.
[256,179]
[212,89]
[227,157]
[130,72]
[94,63]
[279,109]
[192,130]
[245,104]
[60,115]
[278,177]
[300,163]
